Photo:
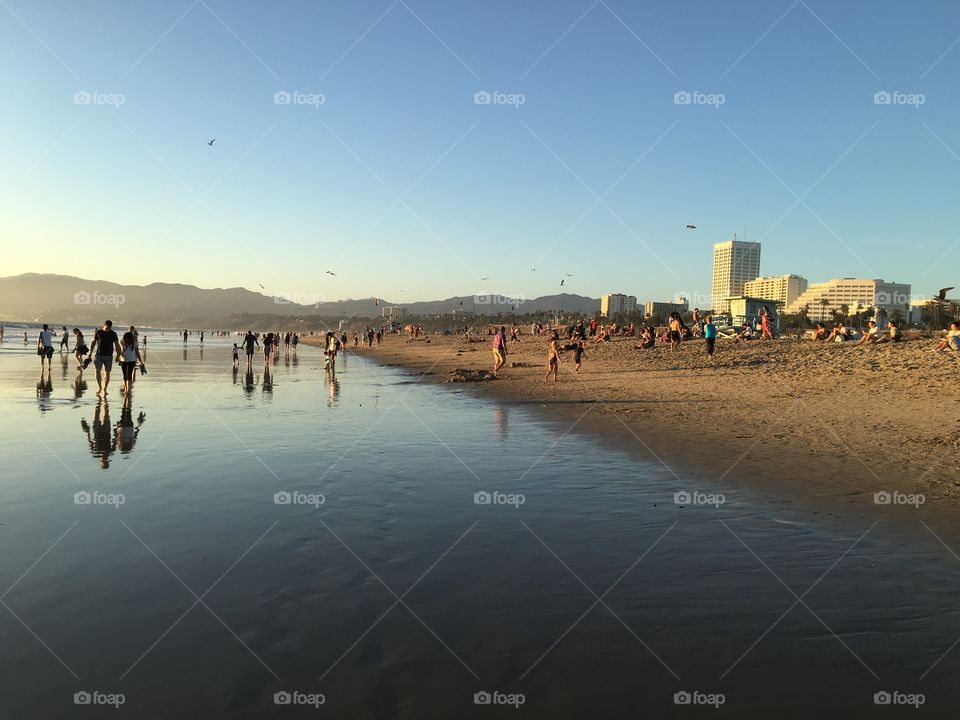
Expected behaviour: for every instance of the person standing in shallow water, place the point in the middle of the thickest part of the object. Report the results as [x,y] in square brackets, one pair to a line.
[65,340]
[105,341]
[45,346]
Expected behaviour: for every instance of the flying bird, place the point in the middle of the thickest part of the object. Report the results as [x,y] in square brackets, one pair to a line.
[942,295]
[569,274]
[330,272]
[261,286]
[691,227]
[561,283]
[211,142]
[486,278]
[533,269]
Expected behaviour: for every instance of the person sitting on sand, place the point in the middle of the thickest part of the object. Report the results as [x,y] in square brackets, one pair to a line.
[820,333]
[871,335]
[648,338]
[951,341]
[553,357]
[893,334]
[746,332]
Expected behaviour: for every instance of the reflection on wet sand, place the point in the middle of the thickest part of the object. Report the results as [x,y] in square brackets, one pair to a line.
[44,388]
[104,440]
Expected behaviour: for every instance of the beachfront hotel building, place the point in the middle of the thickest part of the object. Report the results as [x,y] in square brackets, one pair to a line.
[664,309]
[617,304]
[734,263]
[782,289]
[858,294]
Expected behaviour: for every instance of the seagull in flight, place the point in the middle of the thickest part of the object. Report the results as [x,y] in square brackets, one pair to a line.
[569,274]
[330,272]
[942,295]
[261,286]
[691,227]
[211,142]
[561,282]
[484,278]
[533,269]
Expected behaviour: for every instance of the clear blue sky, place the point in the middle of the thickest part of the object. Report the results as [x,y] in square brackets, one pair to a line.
[291,190]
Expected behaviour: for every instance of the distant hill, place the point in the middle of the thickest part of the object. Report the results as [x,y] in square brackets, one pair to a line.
[64,299]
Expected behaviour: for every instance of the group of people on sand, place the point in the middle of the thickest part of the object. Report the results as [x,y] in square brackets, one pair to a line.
[105,346]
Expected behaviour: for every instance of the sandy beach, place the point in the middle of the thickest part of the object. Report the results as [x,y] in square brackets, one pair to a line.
[802,418]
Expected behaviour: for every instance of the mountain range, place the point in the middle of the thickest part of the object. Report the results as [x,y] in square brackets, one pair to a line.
[62,299]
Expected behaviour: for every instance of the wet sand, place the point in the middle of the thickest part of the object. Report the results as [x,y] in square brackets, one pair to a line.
[822,420]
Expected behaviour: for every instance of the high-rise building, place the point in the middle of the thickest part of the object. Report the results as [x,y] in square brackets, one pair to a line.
[617,304]
[858,294]
[734,263]
[779,288]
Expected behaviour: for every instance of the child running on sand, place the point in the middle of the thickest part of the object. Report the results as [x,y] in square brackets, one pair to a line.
[710,335]
[578,355]
[553,357]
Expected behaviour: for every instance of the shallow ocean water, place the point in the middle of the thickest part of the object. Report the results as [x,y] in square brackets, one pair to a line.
[386,587]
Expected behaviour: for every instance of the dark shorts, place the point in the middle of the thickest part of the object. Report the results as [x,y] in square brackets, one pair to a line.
[103,361]
[710,343]
[249,351]
[128,368]
[46,352]
[675,336]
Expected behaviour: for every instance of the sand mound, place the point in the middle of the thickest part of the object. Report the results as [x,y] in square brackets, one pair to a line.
[464,375]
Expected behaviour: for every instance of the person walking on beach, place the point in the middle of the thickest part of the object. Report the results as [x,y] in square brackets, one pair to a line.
[80,348]
[499,350]
[766,323]
[674,331]
[65,339]
[553,357]
[129,358]
[105,341]
[697,325]
[267,347]
[45,346]
[184,337]
[236,356]
[249,341]
[709,335]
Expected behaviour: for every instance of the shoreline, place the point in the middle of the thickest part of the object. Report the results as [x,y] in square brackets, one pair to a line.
[828,424]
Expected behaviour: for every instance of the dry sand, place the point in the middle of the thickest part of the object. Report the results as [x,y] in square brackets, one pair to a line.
[826,420]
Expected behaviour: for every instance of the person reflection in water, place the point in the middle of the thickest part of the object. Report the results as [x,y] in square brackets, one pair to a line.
[126,432]
[44,388]
[79,385]
[99,436]
[248,382]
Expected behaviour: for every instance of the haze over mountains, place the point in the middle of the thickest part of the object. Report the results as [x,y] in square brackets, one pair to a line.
[34,297]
